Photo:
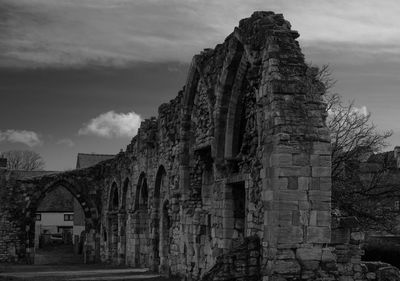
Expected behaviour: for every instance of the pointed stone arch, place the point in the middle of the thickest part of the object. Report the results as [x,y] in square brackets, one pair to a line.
[141,223]
[159,191]
[228,107]
[113,201]
[41,186]
[122,222]
[124,194]
[142,193]
[113,223]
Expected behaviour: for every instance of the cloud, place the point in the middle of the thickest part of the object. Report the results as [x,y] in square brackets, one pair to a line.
[28,138]
[35,33]
[112,124]
[66,142]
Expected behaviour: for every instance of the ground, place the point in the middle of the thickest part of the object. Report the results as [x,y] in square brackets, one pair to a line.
[57,254]
[58,262]
[75,273]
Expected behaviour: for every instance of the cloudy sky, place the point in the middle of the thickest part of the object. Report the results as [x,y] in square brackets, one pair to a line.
[79,75]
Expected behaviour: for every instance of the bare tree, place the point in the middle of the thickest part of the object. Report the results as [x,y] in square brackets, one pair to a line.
[358,188]
[26,160]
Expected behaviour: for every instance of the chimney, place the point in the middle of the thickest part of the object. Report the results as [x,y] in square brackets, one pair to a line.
[397,155]
[3,162]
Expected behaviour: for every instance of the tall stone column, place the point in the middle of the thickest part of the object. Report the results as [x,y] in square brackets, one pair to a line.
[121,248]
[296,173]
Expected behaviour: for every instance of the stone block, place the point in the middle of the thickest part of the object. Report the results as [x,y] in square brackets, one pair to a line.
[308,254]
[314,160]
[271,235]
[286,205]
[303,183]
[290,234]
[310,265]
[321,171]
[321,205]
[285,217]
[325,161]
[285,254]
[325,184]
[320,196]
[292,195]
[294,171]
[286,267]
[293,183]
[328,256]
[280,183]
[318,234]
[301,159]
[281,159]
[296,218]
[322,148]
[267,195]
[304,205]
[315,184]
[271,217]
[227,232]
[313,218]
[323,218]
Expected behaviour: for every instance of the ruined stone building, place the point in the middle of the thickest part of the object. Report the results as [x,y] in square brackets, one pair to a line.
[230,182]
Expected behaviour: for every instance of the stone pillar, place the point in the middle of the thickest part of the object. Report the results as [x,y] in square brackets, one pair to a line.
[296,173]
[121,247]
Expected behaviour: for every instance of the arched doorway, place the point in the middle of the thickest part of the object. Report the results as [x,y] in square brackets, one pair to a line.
[122,219]
[57,222]
[112,221]
[141,223]
[62,218]
[159,190]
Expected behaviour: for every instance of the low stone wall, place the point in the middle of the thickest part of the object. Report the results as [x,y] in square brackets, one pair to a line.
[241,263]
[380,271]
[347,240]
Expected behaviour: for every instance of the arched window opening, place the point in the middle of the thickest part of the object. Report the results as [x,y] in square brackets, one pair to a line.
[114,200]
[141,200]
[124,193]
[160,181]
[239,127]
[104,234]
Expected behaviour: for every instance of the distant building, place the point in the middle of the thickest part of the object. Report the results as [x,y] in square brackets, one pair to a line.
[55,215]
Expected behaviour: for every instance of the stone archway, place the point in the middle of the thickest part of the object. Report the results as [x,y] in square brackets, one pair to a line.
[122,221]
[37,189]
[140,223]
[112,223]
[159,190]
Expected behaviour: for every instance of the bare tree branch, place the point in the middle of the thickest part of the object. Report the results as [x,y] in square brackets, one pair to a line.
[358,188]
[26,160]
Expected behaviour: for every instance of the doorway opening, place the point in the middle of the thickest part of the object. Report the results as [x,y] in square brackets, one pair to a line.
[59,228]
[235,202]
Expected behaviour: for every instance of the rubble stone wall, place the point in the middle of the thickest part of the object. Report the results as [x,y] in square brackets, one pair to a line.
[242,151]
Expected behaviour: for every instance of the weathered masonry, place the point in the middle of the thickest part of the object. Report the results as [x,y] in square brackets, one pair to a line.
[231,179]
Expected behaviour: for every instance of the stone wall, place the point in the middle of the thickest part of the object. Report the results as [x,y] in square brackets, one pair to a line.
[242,151]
